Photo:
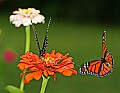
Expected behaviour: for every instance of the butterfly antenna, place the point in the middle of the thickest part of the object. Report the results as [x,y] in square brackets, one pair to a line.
[104,43]
[36,38]
[104,34]
[104,37]
[48,25]
[45,44]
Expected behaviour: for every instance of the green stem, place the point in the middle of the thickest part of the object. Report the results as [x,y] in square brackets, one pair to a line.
[27,48]
[22,82]
[44,84]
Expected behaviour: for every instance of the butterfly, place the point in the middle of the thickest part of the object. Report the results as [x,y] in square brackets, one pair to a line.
[101,67]
[45,43]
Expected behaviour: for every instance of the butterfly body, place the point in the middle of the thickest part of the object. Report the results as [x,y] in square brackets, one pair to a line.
[101,67]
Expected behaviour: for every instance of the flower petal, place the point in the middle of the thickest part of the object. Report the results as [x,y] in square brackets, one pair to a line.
[26,17]
[26,21]
[21,66]
[28,78]
[67,72]
[55,76]
[50,72]
[45,73]
[38,19]
[48,65]
[37,75]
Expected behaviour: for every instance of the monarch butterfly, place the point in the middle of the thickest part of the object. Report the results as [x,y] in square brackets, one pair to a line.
[101,67]
[45,43]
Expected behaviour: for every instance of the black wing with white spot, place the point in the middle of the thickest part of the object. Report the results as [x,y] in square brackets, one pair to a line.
[36,38]
[45,44]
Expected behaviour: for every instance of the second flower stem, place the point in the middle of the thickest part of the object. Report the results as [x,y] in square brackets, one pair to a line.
[22,81]
[27,48]
[44,84]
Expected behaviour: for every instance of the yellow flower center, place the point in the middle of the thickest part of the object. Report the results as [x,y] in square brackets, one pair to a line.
[48,60]
[26,11]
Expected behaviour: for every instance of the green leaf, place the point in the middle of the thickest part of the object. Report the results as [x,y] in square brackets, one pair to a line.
[13,89]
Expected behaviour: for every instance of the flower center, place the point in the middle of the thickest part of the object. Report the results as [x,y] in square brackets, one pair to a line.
[48,60]
[26,11]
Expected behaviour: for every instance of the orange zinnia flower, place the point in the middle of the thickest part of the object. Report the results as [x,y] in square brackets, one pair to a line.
[48,65]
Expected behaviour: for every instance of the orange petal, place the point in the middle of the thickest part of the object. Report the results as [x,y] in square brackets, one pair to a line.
[45,73]
[21,74]
[53,52]
[67,66]
[67,72]
[60,70]
[21,66]
[69,59]
[23,56]
[28,78]
[24,60]
[55,76]
[50,72]
[37,75]
[74,72]
[65,56]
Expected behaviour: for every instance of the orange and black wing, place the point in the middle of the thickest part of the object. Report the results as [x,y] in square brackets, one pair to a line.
[109,58]
[107,64]
[92,67]
[45,43]
[98,68]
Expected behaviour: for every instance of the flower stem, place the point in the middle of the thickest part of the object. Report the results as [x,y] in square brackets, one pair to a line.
[22,82]
[44,84]
[27,48]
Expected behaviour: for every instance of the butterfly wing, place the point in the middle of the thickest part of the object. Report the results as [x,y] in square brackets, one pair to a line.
[36,38]
[96,67]
[105,70]
[92,67]
[109,58]
[99,67]
[107,64]
[45,44]
[107,61]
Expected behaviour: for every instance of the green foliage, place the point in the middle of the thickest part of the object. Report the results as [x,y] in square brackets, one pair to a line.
[13,89]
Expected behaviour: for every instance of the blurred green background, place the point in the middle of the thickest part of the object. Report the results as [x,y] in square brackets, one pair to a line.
[76,28]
